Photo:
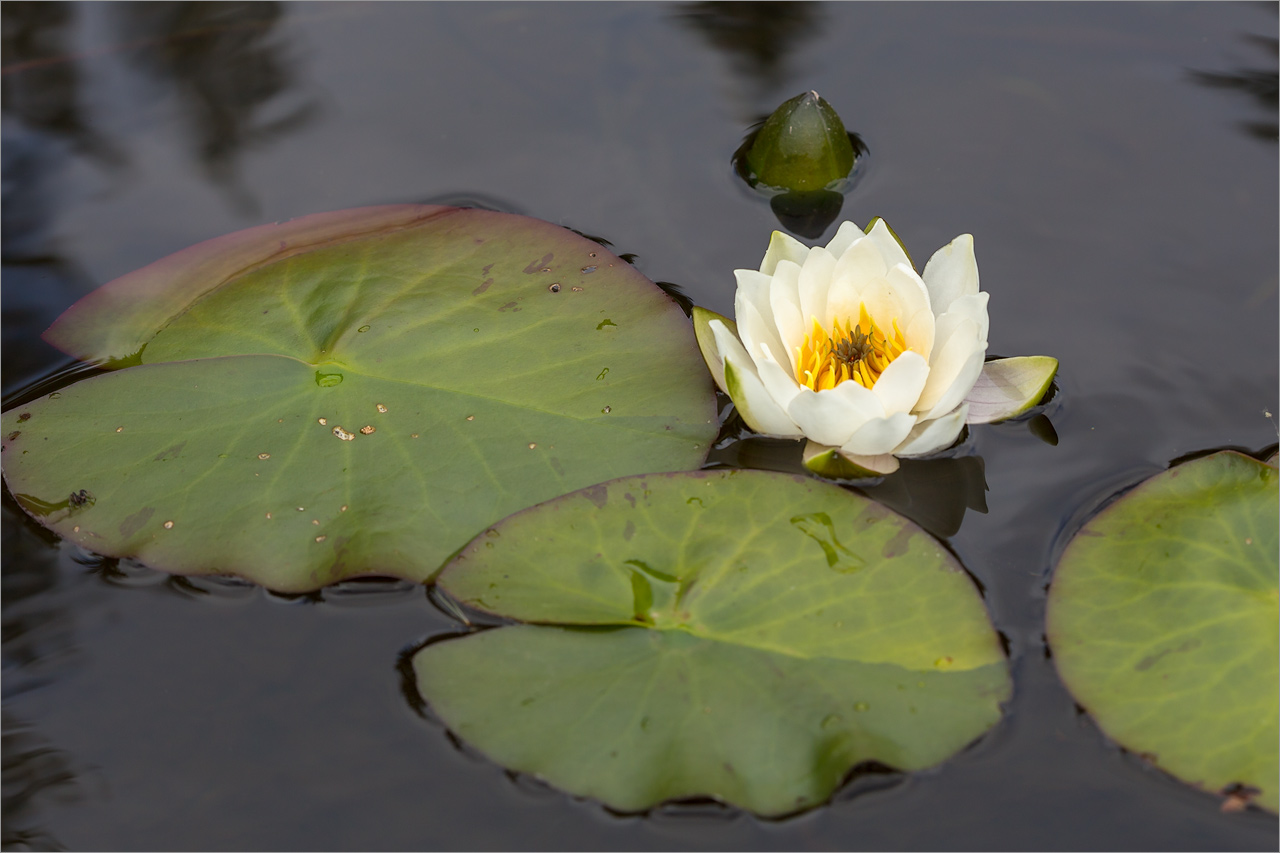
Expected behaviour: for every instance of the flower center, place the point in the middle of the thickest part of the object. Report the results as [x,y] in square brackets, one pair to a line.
[858,351]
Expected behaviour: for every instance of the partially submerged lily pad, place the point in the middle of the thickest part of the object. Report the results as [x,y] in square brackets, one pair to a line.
[741,635]
[355,393]
[1163,622]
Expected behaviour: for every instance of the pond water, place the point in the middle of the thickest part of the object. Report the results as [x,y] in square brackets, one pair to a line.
[1116,164]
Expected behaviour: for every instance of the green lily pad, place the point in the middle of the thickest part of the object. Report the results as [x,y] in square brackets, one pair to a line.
[1163,622]
[742,635]
[355,393]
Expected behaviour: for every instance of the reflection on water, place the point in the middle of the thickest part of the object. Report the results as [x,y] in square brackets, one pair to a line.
[228,68]
[33,771]
[38,631]
[40,88]
[1260,84]
[234,89]
[758,38]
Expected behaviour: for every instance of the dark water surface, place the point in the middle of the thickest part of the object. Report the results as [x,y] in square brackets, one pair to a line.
[1116,163]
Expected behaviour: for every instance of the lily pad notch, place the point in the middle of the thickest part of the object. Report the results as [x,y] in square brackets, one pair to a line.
[355,393]
[740,635]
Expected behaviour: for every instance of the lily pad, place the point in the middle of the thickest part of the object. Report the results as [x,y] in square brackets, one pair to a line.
[355,393]
[1163,622]
[742,635]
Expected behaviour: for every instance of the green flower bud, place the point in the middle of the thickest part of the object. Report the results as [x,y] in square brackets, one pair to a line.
[802,146]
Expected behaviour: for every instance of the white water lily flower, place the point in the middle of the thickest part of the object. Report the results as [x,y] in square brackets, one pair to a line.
[849,347]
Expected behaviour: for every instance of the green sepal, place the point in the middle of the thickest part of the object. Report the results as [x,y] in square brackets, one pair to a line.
[832,463]
[707,342]
[1009,387]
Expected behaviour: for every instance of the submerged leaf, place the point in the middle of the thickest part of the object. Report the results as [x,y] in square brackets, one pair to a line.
[358,404]
[742,635]
[1163,622]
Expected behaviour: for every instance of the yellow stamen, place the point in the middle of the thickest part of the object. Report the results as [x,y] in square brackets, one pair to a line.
[859,351]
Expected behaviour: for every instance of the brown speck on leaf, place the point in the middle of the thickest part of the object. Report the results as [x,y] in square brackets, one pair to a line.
[14,434]
[268,515]
[25,416]
[1238,797]
[168,525]
[367,429]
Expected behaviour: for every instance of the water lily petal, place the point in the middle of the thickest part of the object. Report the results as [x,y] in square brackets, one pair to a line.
[859,270]
[782,247]
[750,397]
[753,288]
[831,418]
[890,249]
[727,344]
[929,436]
[879,436]
[974,307]
[754,329]
[910,290]
[956,342]
[846,235]
[882,301]
[960,386]
[784,300]
[899,387]
[864,400]
[777,379]
[815,281]
[952,272]
[919,333]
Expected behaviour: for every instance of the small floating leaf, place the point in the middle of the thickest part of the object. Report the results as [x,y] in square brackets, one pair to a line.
[1163,622]
[766,634]
[283,342]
